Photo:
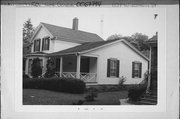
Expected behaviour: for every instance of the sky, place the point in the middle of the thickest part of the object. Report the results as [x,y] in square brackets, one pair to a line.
[105,21]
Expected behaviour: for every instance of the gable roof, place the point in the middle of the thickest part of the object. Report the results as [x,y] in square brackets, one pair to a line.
[86,47]
[70,35]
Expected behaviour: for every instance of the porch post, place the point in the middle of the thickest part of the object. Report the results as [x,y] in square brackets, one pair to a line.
[44,65]
[78,66]
[61,66]
[149,78]
[26,67]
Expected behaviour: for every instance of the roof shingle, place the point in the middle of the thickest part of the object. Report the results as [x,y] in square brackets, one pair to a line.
[70,35]
[81,48]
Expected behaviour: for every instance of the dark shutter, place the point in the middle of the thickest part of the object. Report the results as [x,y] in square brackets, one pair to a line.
[108,68]
[140,69]
[117,68]
[39,44]
[133,66]
[48,43]
[34,45]
[43,42]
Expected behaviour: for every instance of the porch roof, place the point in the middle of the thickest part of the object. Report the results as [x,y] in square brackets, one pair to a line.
[86,47]
[36,54]
[81,48]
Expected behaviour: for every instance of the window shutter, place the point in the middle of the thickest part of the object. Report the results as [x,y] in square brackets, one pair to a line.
[133,66]
[140,69]
[43,44]
[34,45]
[117,68]
[48,43]
[39,44]
[108,67]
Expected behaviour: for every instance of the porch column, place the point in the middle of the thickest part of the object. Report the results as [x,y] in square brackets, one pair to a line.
[78,66]
[149,78]
[61,66]
[44,65]
[26,66]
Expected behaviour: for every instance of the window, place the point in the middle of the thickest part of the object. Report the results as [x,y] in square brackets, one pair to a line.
[45,43]
[37,45]
[113,68]
[136,69]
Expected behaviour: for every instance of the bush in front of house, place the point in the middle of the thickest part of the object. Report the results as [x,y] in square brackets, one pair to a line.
[69,85]
[135,92]
[36,69]
[50,69]
[92,94]
[25,76]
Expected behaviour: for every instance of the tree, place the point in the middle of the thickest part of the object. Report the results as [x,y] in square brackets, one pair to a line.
[28,31]
[141,41]
[114,37]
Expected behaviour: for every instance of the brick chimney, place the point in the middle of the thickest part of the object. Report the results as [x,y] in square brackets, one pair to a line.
[75,24]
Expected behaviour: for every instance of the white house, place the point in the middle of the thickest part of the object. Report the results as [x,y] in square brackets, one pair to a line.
[86,56]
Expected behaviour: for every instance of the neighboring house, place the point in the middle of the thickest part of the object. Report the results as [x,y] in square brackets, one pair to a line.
[150,97]
[153,63]
[86,56]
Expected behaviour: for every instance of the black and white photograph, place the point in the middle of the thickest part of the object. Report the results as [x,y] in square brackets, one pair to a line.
[95,56]
[89,60]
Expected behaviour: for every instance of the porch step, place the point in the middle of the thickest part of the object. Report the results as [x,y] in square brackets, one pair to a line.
[154,100]
[149,99]
[144,102]
[150,96]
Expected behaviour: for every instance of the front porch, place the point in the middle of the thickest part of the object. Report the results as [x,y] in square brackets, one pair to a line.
[76,66]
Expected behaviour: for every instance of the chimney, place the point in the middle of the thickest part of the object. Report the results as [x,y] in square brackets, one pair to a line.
[75,24]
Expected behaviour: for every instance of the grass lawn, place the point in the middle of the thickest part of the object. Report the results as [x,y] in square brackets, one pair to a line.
[45,97]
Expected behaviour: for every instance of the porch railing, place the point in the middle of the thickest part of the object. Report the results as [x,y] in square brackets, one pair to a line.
[68,74]
[86,77]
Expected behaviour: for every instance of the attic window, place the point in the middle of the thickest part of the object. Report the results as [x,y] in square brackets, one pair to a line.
[37,43]
[45,43]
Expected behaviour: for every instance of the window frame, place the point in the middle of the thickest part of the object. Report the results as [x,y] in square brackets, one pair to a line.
[113,68]
[45,47]
[136,73]
[35,47]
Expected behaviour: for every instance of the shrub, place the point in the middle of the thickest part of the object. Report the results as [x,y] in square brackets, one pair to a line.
[50,72]
[56,84]
[25,76]
[135,92]
[36,69]
[122,79]
[91,95]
